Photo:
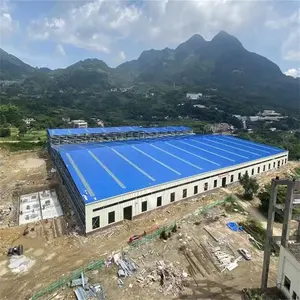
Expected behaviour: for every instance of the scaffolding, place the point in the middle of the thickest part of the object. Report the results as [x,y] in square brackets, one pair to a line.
[96,135]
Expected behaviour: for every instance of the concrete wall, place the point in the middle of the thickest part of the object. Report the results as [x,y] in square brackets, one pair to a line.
[289,267]
[117,204]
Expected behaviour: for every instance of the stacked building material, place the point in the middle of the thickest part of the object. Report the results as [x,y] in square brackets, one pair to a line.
[86,291]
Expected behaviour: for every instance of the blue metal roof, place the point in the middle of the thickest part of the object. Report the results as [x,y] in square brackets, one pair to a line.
[107,130]
[104,170]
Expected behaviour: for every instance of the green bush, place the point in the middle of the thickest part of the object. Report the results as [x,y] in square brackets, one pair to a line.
[250,186]
[4,132]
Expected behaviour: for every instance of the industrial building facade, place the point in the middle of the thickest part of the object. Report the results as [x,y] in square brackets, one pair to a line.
[110,182]
[127,207]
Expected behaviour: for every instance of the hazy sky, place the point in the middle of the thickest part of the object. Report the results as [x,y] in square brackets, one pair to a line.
[58,33]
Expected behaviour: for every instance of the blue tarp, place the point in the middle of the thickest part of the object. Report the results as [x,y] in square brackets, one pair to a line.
[234,226]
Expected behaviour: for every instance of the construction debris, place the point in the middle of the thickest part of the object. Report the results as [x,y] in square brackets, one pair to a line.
[16,250]
[78,282]
[171,279]
[127,266]
[86,291]
[226,261]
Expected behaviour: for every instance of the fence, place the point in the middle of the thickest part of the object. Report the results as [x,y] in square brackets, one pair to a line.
[99,264]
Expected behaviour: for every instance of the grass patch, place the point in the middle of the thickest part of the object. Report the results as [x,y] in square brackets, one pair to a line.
[30,135]
[22,145]
[257,231]
[232,205]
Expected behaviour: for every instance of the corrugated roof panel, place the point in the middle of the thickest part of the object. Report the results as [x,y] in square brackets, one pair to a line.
[110,169]
[109,130]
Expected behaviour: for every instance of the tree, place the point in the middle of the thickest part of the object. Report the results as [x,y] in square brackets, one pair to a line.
[22,129]
[250,186]
[4,132]
[265,195]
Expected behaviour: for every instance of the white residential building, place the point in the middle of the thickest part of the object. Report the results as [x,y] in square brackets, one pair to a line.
[194,96]
[288,276]
[79,124]
[28,121]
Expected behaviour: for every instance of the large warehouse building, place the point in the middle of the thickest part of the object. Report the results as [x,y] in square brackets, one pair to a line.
[116,180]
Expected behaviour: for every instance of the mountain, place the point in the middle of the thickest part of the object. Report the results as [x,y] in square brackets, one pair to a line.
[12,68]
[221,63]
[92,73]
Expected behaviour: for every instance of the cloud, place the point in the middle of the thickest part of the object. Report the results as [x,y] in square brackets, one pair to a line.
[291,25]
[8,25]
[122,56]
[293,72]
[101,25]
[59,49]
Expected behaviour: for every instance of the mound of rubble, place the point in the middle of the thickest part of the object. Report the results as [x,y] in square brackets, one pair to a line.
[171,278]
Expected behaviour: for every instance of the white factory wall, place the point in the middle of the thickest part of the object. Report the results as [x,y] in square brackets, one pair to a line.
[117,204]
[288,267]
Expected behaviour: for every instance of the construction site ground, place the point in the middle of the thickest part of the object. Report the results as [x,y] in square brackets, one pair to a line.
[56,248]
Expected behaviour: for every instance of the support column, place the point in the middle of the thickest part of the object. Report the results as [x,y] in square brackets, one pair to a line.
[270,224]
[298,233]
[288,211]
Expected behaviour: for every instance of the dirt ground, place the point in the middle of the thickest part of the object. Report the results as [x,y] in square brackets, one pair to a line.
[56,249]
[20,173]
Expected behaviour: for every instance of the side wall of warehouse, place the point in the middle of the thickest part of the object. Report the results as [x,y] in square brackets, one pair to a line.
[103,213]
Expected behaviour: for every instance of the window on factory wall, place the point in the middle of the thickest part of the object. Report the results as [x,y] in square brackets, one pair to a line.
[285,161]
[278,164]
[264,168]
[144,206]
[252,172]
[111,217]
[184,193]
[205,186]
[274,164]
[231,178]
[158,201]
[258,170]
[95,222]
[287,283]
[215,183]
[269,166]
[195,189]
[240,176]
[172,197]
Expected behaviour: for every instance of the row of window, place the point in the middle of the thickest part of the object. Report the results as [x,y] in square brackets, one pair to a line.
[287,285]
[144,204]
[96,220]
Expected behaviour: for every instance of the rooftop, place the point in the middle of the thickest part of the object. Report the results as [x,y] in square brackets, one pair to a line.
[109,130]
[105,170]
[294,248]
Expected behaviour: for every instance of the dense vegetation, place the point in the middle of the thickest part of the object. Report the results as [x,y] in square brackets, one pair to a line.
[286,140]
[237,81]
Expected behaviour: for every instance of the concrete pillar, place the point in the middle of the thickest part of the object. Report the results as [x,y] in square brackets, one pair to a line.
[267,253]
[298,232]
[288,211]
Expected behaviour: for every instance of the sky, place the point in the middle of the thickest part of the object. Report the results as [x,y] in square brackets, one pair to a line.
[56,34]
